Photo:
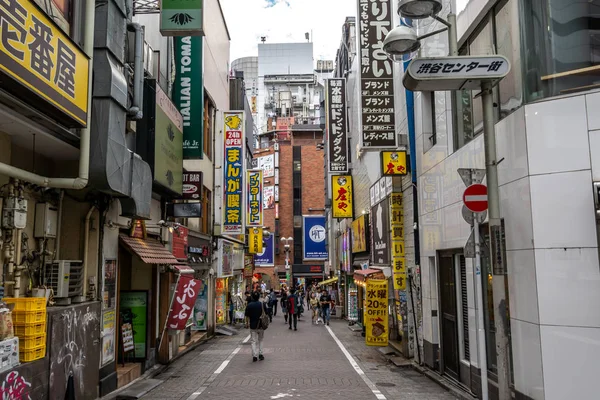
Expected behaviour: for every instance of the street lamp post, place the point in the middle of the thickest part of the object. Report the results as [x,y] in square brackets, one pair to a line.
[400,41]
[286,248]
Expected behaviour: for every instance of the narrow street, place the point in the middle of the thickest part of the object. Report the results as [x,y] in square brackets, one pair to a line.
[307,363]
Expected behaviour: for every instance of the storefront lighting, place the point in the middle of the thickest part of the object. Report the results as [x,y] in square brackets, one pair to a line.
[418,9]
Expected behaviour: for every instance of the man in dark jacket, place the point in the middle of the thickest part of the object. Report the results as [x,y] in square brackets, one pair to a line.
[292,309]
[254,311]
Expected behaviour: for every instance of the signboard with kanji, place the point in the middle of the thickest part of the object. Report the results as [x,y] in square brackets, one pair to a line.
[397,239]
[342,193]
[376,313]
[376,75]
[233,172]
[393,163]
[254,200]
[255,240]
[454,73]
[337,126]
[36,53]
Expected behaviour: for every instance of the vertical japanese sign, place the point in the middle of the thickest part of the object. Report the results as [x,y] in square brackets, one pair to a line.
[255,240]
[179,242]
[342,196]
[188,94]
[183,302]
[337,126]
[248,266]
[36,53]
[376,313]
[376,75]
[393,163]
[233,172]
[397,238]
[182,18]
[225,266]
[254,198]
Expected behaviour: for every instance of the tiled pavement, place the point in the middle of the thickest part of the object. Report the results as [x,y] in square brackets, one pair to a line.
[303,364]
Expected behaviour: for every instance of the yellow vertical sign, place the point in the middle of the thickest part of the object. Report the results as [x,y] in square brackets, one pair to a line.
[255,240]
[342,196]
[397,239]
[376,312]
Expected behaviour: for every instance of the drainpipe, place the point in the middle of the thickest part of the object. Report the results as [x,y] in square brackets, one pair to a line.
[86,242]
[59,225]
[84,142]
[135,111]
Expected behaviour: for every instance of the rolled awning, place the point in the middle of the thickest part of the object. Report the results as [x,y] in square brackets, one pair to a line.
[362,274]
[149,250]
[183,269]
[328,281]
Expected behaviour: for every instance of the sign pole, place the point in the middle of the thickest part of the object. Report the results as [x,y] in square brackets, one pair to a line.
[481,338]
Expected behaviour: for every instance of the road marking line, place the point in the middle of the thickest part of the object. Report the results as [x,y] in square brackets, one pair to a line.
[356,367]
[214,375]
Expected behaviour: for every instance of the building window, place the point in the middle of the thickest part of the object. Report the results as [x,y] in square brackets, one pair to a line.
[430,138]
[508,43]
[561,42]
[208,128]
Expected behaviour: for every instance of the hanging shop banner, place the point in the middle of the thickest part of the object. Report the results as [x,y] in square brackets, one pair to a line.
[376,75]
[201,307]
[37,54]
[314,246]
[221,300]
[397,241]
[393,163]
[182,18]
[188,94]
[133,307]
[184,299]
[380,233]
[233,172]
[255,240]
[267,165]
[168,143]
[380,189]
[342,196]
[359,234]
[269,197]
[254,200]
[376,312]
[266,258]
[248,266]
[192,185]
[225,262]
[179,243]
[337,126]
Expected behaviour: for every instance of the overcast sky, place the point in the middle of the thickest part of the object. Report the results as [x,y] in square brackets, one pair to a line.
[285,21]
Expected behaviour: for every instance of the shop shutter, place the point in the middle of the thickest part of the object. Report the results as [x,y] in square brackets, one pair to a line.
[465,307]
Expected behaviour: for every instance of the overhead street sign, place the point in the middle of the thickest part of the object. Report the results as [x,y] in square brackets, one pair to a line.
[471,175]
[475,198]
[454,73]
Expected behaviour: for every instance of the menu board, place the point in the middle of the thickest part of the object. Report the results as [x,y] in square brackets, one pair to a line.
[352,304]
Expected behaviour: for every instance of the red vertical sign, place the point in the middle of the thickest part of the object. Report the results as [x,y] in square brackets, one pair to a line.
[183,302]
[180,242]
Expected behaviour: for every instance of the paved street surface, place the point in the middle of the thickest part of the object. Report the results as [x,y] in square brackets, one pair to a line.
[308,363]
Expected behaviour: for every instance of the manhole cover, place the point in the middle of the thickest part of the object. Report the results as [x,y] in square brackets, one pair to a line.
[385,384]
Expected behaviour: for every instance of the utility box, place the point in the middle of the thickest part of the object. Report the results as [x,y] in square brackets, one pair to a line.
[46,220]
[14,213]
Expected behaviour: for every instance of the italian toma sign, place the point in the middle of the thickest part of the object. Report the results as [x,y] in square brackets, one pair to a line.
[182,18]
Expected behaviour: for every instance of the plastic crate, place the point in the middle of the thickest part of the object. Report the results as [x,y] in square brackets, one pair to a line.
[27,303]
[28,343]
[30,329]
[33,354]
[28,317]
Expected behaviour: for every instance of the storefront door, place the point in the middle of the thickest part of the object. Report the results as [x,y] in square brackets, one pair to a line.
[449,319]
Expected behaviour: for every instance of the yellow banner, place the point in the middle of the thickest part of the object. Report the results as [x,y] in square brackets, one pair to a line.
[255,240]
[393,162]
[342,196]
[376,313]
[36,53]
[254,198]
[359,235]
[397,242]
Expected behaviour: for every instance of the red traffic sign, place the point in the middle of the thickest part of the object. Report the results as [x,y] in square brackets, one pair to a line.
[475,198]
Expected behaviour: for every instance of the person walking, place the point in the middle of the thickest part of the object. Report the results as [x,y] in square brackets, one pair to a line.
[274,294]
[314,306]
[284,304]
[269,304]
[292,309]
[325,301]
[254,311]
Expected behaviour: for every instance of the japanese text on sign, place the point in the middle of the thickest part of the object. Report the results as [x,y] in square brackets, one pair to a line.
[376,88]
[337,132]
[183,302]
[35,52]
[451,68]
[233,172]
[254,201]
[342,194]
[255,241]
[393,162]
[397,236]
[376,313]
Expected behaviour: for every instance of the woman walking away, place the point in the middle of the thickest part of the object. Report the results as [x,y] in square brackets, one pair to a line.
[314,306]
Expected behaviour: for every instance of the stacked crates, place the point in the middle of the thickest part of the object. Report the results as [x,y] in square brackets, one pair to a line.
[29,320]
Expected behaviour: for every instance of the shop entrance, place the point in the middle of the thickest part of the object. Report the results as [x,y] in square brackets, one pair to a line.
[449,316]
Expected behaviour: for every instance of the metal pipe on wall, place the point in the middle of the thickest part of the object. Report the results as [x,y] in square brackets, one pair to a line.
[135,111]
[86,245]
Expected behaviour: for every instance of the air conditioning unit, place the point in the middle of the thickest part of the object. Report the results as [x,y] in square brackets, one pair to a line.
[65,278]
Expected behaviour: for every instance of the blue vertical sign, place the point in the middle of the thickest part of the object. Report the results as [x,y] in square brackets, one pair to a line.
[314,245]
[267,257]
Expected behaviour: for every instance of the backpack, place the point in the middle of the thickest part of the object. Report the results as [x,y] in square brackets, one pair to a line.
[263,322]
[294,305]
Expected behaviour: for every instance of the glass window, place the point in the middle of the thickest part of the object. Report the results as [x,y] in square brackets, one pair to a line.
[508,44]
[562,42]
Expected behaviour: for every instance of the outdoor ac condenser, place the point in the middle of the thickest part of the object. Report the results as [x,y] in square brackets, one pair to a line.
[65,278]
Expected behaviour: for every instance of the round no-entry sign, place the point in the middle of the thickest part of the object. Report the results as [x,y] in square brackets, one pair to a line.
[475,198]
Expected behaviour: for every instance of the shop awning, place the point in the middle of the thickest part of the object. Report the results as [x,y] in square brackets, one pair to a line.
[363,274]
[150,251]
[183,269]
[328,281]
